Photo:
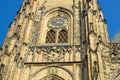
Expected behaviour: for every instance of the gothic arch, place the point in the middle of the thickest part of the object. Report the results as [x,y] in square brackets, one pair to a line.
[52,13]
[67,11]
[55,66]
[52,77]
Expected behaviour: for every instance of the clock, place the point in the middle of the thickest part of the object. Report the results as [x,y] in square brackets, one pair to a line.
[52,70]
[58,22]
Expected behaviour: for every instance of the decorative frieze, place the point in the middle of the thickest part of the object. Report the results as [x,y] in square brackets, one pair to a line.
[56,53]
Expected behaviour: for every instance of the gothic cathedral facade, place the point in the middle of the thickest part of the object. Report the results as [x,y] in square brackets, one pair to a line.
[59,40]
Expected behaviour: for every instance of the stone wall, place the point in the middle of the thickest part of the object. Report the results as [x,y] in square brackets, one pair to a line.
[27,56]
[111,59]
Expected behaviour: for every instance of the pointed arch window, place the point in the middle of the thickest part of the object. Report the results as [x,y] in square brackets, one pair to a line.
[63,36]
[51,36]
[58,26]
[57,37]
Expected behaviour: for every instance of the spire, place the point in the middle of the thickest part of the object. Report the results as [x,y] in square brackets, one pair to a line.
[116,38]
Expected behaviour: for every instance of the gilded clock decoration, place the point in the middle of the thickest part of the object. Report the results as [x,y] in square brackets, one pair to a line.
[58,22]
[52,70]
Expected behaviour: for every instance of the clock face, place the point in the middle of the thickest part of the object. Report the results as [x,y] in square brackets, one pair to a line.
[57,22]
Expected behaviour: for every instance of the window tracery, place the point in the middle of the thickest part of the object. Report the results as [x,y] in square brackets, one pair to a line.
[51,36]
[58,26]
[63,36]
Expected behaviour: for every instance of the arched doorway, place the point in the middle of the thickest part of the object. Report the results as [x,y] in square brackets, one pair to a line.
[52,77]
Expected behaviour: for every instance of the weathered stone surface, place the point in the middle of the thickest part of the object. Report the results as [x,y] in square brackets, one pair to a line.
[59,40]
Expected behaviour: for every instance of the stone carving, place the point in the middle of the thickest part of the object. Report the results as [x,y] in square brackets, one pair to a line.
[40,11]
[37,21]
[111,55]
[55,53]
[35,33]
[115,53]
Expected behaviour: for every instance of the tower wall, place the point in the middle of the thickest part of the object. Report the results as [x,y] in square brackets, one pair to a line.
[56,39]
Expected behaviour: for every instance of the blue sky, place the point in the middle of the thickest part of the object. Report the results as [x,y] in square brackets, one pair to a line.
[110,8]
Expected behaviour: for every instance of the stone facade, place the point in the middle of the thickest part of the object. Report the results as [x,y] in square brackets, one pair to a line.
[59,40]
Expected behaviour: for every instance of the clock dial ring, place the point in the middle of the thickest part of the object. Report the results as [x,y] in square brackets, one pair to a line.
[58,22]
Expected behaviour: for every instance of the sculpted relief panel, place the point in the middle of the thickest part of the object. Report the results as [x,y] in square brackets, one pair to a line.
[53,54]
